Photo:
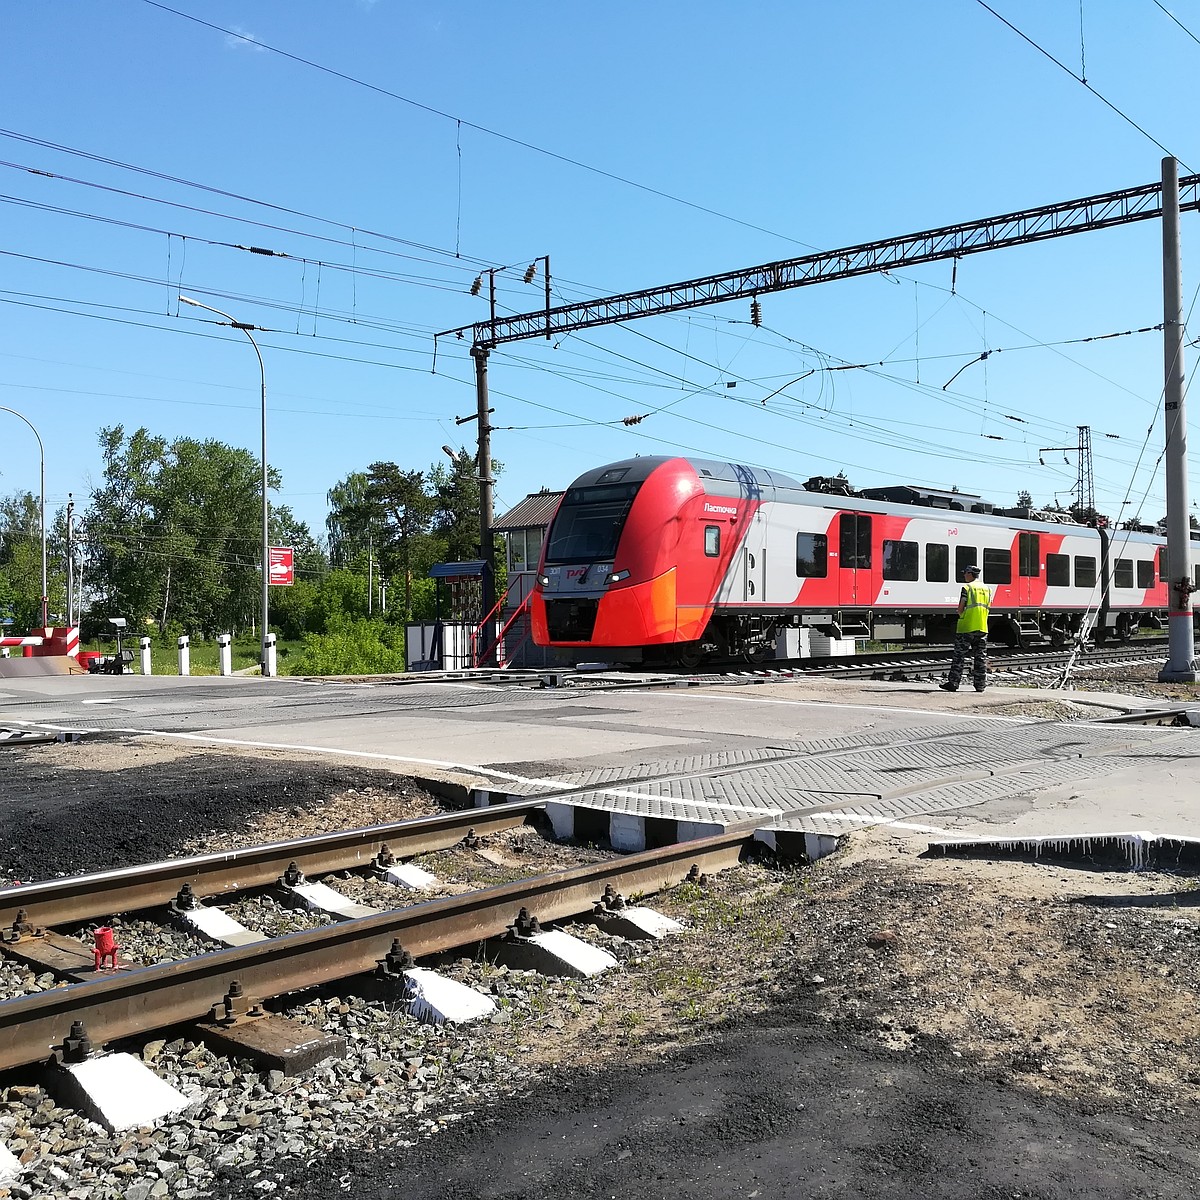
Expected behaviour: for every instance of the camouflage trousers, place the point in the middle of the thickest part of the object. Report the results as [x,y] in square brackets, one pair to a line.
[974,644]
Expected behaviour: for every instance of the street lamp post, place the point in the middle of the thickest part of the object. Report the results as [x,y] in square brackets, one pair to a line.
[266,511]
[42,453]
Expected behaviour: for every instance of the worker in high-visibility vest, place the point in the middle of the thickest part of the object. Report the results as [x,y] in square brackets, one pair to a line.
[971,633]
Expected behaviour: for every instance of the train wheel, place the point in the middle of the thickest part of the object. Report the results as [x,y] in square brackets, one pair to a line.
[689,655]
[756,655]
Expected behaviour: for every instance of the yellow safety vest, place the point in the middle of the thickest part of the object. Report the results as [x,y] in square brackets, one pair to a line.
[974,617]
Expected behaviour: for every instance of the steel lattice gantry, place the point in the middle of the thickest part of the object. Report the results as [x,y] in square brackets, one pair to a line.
[952,241]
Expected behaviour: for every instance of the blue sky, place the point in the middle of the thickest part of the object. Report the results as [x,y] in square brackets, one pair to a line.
[636,144]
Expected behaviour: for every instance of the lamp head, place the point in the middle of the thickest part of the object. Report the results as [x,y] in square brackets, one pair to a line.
[118,622]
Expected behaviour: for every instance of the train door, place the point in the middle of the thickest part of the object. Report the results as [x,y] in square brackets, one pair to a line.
[754,562]
[858,582]
[1030,586]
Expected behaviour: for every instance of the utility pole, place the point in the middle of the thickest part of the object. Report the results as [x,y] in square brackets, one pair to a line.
[1180,665]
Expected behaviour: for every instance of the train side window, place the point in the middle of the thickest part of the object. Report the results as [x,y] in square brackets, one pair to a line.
[1029,555]
[1085,571]
[1164,571]
[901,560]
[997,565]
[812,555]
[937,562]
[855,541]
[712,540]
[1145,573]
[1123,573]
[1058,570]
[964,557]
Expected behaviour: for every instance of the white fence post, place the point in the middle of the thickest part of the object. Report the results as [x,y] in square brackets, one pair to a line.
[270,641]
[147,669]
[226,653]
[185,655]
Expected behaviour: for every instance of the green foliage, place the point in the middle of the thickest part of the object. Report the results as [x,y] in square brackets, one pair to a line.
[351,648]
[175,534]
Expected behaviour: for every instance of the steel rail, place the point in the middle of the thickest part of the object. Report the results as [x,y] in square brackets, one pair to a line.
[83,897]
[136,1002]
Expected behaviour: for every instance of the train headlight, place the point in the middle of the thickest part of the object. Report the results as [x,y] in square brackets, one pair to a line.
[544,580]
[617,576]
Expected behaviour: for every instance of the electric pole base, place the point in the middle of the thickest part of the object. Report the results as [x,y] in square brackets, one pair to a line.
[1171,674]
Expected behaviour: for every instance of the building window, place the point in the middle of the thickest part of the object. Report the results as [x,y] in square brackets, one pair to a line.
[964,557]
[812,555]
[712,540]
[1085,571]
[855,541]
[1058,570]
[997,565]
[1028,555]
[1123,573]
[937,562]
[1145,573]
[901,560]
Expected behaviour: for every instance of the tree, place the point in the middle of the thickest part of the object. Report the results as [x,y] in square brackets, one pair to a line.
[175,532]
[353,513]
[1024,499]
[408,508]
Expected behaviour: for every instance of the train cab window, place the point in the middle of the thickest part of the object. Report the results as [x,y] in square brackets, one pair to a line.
[1145,573]
[712,541]
[855,541]
[1028,555]
[589,521]
[901,560]
[1085,571]
[1123,573]
[1058,570]
[812,555]
[937,562]
[964,557]
[997,565]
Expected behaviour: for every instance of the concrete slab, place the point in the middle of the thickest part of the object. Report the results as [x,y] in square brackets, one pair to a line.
[554,952]
[437,999]
[319,897]
[409,875]
[118,1090]
[638,922]
[10,1167]
[218,926]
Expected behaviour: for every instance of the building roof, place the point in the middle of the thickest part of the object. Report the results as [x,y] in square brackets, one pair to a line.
[536,511]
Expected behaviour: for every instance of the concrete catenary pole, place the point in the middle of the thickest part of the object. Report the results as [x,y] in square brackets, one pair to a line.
[1180,665]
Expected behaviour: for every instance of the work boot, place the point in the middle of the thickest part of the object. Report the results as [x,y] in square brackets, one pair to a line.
[948,687]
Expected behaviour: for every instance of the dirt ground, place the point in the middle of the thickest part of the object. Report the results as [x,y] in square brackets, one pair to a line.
[880,1023]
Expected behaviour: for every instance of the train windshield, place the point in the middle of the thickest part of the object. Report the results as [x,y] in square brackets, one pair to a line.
[589,523]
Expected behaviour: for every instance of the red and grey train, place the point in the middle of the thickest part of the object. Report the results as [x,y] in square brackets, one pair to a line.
[680,559]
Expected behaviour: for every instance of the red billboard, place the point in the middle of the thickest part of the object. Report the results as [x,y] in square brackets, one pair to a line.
[281,572]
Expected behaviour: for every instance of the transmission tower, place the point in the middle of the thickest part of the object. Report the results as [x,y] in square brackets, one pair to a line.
[1084,490]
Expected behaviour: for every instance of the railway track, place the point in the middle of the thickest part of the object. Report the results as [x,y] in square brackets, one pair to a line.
[894,666]
[134,1003]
